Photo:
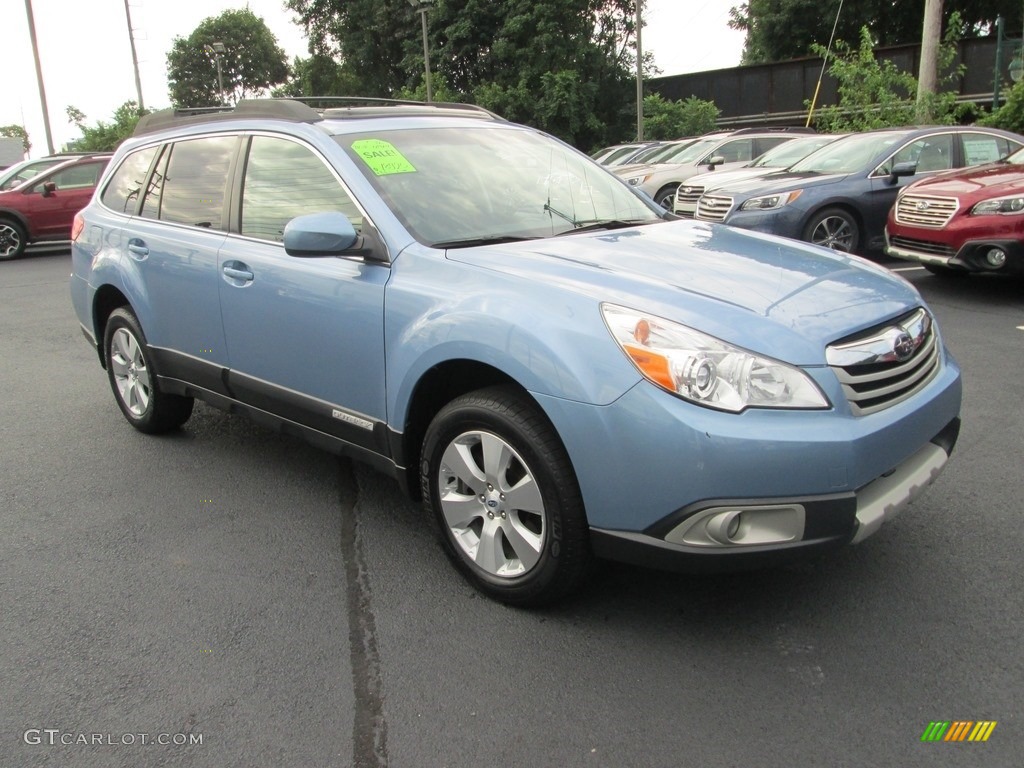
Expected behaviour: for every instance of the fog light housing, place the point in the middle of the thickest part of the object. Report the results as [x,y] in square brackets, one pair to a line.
[995,257]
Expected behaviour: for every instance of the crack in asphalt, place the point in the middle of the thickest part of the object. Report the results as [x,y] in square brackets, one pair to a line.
[369,727]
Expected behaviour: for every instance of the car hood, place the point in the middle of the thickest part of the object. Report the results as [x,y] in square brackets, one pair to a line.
[716,179]
[770,295]
[979,183]
[780,181]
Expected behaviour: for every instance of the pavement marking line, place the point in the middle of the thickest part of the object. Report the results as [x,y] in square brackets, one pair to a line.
[1020,327]
[905,269]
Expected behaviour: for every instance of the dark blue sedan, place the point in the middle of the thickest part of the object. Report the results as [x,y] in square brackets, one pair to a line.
[839,196]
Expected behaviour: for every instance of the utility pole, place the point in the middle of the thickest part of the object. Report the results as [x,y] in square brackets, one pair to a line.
[135,55]
[927,72]
[639,73]
[39,76]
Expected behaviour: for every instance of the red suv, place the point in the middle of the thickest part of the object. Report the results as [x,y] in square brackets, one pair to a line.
[966,221]
[44,207]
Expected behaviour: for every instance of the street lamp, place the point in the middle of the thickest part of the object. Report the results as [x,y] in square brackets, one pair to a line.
[217,49]
[423,6]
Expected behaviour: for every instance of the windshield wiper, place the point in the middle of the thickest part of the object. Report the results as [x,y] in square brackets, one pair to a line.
[559,214]
[470,242]
[590,225]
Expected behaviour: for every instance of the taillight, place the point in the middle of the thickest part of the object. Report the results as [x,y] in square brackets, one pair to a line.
[77,226]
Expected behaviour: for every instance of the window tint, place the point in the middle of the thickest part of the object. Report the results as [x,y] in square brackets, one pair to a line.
[734,151]
[125,187]
[191,190]
[931,153]
[284,180]
[984,148]
[80,176]
[762,145]
[155,190]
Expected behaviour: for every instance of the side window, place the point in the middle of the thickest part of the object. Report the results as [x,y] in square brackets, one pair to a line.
[284,180]
[78,176]
[931,153]
[984,148]
[124,189]
[192,183]
[735,151]
[765,143]
[155,189]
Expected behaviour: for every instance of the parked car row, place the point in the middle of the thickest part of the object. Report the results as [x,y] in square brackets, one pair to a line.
[843,194]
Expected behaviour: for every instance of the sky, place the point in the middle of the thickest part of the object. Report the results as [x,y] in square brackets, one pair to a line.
[85,52]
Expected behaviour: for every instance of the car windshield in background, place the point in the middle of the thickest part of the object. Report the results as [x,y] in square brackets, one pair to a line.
[847,155]
[468,187]
[690,152]
[789,152]
[657,154]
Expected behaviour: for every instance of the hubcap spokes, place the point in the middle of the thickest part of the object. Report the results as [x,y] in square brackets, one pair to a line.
[9,240]
[834,233]
[491,504]
[130,372]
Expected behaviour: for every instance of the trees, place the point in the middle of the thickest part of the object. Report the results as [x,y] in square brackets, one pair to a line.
[16,132]
[785,29]
[104,137]
[563,65]
[666,120]
[251,64]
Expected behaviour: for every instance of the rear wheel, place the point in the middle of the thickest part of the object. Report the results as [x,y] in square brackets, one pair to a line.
[135,386]
[12,240]
[505,497]
[833,228]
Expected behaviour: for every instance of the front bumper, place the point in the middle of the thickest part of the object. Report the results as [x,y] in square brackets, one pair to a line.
[969,257]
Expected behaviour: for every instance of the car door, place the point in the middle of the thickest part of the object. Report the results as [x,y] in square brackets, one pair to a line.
[305,336]
[170,258]
[51,212]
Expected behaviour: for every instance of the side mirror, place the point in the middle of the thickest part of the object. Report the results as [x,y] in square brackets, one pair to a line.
[319,234]
[908,168]
[716,160]
[49,187]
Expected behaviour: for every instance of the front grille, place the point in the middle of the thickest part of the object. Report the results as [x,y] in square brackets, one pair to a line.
[880,380]
[713,207]
[921,246]
[926,211]
[688,195]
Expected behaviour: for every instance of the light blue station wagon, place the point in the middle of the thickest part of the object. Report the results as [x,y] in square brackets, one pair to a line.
[553,364]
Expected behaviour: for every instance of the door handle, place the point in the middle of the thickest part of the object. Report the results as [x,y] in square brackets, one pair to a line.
[137,247]
[239,274]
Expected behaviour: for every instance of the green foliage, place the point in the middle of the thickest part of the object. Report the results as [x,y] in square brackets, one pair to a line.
[104,137]
[316,76]
[666,120]
[440,90]
[786,29]
[16,132]
[251,64]
[564,66]
[1010,116]
[873,93]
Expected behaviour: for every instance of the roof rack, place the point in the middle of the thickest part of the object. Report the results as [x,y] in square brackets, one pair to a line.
[304,109]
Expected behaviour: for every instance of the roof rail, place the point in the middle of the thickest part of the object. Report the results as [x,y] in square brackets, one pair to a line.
[279,109]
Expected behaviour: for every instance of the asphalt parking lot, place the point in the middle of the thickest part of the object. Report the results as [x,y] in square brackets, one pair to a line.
[225,596]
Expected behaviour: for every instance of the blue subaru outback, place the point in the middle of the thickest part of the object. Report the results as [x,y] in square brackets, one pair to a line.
[555,366]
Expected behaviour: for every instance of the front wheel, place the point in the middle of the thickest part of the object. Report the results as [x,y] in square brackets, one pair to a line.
[833,228]
[12,240]
[130,370]
[505,497]
[666,197]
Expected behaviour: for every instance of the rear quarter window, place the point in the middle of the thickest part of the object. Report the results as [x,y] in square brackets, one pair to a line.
[124,189]
[190,185]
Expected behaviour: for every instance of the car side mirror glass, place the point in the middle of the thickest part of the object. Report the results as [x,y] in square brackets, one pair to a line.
[319,234]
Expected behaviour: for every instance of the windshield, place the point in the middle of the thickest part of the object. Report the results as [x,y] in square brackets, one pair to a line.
[459,185]
[789,152]
[655,154]
[1017,158]
[847,155]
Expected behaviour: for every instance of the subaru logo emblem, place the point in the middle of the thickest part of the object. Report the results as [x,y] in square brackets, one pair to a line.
[924,205]
[903,347]
[492,503]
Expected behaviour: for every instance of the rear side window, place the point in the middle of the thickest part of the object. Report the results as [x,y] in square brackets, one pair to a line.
[190,182]
[284,180]
[124,189]
[985,148]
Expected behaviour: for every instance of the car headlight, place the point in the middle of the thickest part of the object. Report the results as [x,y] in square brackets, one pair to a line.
[636,181]
[770,202]
[706,370]
[1001,205]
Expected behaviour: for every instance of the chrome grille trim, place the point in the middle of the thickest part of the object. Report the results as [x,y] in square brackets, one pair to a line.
[922,246]
[877,381]
[926,210]
[689,194]
[713,207]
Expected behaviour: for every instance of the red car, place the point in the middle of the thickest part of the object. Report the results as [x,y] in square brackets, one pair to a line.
[963,221]
[44,207]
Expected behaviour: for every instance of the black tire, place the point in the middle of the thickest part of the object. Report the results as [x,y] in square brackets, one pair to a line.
[666,197]
[12,240]
[535,556]
[940,271]
[133,378]
[834,228]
